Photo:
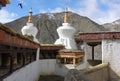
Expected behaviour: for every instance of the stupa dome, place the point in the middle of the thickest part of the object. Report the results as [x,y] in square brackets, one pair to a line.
[29,29]
[66,31]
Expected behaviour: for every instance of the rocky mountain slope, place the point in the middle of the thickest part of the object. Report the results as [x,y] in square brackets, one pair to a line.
[47,24]
[114,26]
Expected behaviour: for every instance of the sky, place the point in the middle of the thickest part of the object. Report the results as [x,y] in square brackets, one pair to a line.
[100,11]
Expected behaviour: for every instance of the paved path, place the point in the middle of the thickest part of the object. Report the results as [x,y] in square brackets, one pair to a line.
[51,78]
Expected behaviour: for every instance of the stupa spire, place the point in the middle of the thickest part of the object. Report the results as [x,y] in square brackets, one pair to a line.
[30,16]
[66,16]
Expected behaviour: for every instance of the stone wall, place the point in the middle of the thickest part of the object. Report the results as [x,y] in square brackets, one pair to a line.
[61,69]
[100,72]
[75,75]
[97,73]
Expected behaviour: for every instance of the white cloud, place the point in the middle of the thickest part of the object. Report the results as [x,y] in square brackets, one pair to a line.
[112,13]
[5,16]
[65,1]
[91,9]
[58,9]
[43,11]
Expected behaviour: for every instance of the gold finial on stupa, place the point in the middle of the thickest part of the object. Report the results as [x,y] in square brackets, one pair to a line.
[30,16]
[66,16]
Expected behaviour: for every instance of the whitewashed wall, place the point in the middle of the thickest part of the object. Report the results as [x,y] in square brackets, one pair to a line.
[47,66]
[111,54]
[31,72]
[27,73]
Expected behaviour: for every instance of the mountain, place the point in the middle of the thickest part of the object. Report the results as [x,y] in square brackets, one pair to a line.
[47,24]
[114,26]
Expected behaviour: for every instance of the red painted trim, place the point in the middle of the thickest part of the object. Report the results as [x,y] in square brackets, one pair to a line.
[2,35]
[3,2]
[51,47]
[9,36]
[98,36]
[70,54]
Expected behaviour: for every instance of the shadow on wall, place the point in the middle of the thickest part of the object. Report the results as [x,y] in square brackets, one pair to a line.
[113,76]
[94,62]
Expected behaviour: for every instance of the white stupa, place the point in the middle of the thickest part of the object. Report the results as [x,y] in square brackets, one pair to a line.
[30,29]
[66,34]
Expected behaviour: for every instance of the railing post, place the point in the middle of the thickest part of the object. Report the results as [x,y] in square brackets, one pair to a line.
[23,57]
[11,63]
